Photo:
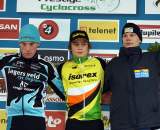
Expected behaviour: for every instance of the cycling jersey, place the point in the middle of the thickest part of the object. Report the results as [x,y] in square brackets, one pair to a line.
[26,82]
[83,85]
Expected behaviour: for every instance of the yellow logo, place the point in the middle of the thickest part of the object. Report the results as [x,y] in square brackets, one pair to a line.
[101,30]
[3,119]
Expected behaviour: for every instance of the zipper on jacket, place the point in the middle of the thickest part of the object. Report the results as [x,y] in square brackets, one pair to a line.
[23,100]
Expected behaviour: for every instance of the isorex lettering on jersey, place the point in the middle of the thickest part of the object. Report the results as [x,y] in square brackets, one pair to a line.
[81,76]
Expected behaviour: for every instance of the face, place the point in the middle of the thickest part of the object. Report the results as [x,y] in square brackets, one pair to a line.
[80,47]
[130,40]
[28,49]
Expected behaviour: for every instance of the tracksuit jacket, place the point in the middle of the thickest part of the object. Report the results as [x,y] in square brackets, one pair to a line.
[133,79]
[26,82]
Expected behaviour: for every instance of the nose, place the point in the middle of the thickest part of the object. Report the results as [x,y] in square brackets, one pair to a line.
[27,47]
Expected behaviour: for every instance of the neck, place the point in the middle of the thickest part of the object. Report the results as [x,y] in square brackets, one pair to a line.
[34,58]
[79,60]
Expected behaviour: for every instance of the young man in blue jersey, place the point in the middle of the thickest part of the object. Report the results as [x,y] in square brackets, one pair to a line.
[27,76]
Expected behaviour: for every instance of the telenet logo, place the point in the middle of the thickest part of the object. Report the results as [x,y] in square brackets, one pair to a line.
[101,30]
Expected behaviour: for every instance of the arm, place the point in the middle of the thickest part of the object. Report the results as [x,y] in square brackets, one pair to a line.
[3,60]
[105,66]
[55,81]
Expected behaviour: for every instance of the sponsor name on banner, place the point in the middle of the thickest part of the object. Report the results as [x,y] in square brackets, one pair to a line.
[78,6]
[150,30]
[152,6]
[52,29]
[9,28]
[55,120]
[106,121]
[56,56]
[3,119]
[3,91]
[100,30]
[2,5]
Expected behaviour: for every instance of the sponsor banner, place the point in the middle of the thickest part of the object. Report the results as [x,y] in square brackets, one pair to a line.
[78,6]
[2,5]
[105,117]
[150,30]
[55,120]
[8,51]
[100,30]
[55,56]
[3,119]
[9,28]
[107,55]
[152,6]
[52,29]
[3,91]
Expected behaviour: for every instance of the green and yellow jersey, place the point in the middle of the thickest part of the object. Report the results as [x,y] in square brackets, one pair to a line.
[83,85]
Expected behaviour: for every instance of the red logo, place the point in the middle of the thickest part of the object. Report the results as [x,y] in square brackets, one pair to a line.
[55,120]
[48,29]
[1,5]
[9,28]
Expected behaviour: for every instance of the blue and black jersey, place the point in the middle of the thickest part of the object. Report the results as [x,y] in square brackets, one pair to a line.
[26,82]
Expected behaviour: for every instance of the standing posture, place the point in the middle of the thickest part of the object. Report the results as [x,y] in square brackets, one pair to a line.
[83,80]
[27,76]
[133,79]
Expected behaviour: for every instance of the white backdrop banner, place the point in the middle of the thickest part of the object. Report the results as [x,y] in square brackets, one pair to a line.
[78,6]
[152,6]
[52,29]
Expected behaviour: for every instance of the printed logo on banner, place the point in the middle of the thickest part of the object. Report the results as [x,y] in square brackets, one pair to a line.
[52,29]
[2,5]
[156,3]
[152,6]
[3,91]
[9,28]
[78,6]
[3,119]
[56,56]
[101,30]
[106,121]
[150,30]
[55,120]
[48,29]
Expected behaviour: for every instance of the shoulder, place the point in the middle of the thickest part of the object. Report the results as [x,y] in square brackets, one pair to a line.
[149,54]
[102,62]
[9,57]
[47,64]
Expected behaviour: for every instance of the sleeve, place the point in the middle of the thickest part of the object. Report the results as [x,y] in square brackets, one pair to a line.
[158,57]
[3,61]
[55,82]
[105,68]
[107,78]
